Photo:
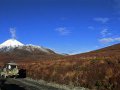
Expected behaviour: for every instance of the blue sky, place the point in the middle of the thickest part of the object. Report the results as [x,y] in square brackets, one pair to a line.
[66,26]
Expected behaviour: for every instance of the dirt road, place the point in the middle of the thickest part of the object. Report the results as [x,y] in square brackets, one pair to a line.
[22,84]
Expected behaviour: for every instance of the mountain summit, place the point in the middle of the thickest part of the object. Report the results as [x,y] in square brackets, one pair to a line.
[14,45]
[12,49]
[11,43]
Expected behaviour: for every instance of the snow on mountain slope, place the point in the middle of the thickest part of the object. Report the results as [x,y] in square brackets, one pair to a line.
[12,44]
[37,47]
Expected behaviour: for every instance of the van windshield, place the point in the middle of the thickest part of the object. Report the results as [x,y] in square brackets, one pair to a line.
[11,66]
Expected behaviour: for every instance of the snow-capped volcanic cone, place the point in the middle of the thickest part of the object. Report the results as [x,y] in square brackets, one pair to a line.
[11,43]
[12,49]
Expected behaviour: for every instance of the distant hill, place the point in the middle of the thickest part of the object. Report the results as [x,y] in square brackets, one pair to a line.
[96,70]
[15,50]
[107,51]
[110,51]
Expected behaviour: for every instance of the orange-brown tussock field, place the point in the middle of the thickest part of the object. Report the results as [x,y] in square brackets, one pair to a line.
[99,70]
[97,74]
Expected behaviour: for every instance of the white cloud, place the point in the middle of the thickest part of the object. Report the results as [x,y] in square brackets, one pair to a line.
[102,20]
[96,46]
[63,30]
[109,40]
[13,33]
[105,32]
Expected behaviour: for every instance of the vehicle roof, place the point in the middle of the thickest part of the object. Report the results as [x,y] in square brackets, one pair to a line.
[12,64]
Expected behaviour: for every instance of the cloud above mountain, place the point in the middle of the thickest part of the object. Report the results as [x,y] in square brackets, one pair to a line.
[109,40]
[13,33]
[105,32]
[63,31]
[101,20]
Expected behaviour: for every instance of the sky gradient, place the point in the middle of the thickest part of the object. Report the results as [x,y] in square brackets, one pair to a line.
[66,26]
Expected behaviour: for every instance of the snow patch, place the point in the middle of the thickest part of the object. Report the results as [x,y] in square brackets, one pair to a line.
[38,47]
[11,43]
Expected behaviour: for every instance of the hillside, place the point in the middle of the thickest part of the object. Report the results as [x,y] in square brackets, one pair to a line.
[107,51]
[13,50]
[111,51]
[97,70]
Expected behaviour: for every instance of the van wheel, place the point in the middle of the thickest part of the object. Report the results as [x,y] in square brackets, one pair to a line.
[3,76]
[15,76]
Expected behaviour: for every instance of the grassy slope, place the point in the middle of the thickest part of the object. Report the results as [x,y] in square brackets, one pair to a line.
[98,69]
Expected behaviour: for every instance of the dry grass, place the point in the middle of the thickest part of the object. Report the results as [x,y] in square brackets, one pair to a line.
[98,69]
[90,73]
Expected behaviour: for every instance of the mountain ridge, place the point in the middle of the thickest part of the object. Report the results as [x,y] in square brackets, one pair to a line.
[110,51]
[12,44]
[12,49]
